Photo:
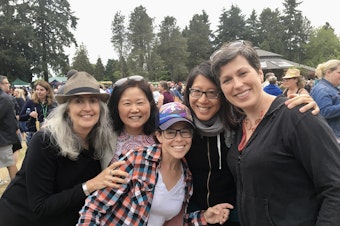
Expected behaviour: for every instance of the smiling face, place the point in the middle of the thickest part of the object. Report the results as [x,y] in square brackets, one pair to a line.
[84,111]
[203,107]
[178,146]
[241,83]
[134,110]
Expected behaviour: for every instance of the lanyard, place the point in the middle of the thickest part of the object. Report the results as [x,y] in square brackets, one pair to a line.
[44,109]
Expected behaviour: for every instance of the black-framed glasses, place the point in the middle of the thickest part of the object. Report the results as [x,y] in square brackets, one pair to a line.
[172,133]
[233,44]
[210,94]
[133,77]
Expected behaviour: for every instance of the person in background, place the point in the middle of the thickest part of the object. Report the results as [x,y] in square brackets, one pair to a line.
[8,129]
[160,182]
[134,114]
[37,108]
[21,100]
[272,88]
[267,76]
[327,94]
[61,167]
[282,179]
[293,82]
[155,92]
[166,96]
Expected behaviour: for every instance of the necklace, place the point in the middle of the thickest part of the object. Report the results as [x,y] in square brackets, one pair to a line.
[248,125]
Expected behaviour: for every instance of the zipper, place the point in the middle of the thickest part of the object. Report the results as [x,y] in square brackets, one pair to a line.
[240,183]
[209,174]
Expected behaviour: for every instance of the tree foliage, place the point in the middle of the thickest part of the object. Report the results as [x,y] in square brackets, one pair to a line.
[198,36]
[81,60]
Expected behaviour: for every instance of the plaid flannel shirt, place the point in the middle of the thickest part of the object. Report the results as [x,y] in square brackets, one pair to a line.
[130,204]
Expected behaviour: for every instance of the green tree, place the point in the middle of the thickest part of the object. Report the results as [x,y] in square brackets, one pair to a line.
[99,70]
[173,49]
[16,55]
[296,30]
[271,32]
[81,60]
[252,32]
[323,45]
[231,26]
[198,37]
[140,38]
[51,21]
[119,39]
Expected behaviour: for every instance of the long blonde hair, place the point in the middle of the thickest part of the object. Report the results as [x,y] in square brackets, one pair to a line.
[20,93]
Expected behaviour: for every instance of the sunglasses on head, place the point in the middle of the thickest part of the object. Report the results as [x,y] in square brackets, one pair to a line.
[133,77]
[234,44]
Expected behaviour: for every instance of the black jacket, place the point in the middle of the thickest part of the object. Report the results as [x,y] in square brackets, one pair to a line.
[8,122]
[212,184]
[289,171]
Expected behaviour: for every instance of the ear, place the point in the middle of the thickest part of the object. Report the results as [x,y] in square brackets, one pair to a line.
[261,75]
[159,136]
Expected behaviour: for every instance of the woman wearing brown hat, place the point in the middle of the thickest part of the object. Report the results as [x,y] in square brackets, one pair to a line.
[293,82]
[61,167]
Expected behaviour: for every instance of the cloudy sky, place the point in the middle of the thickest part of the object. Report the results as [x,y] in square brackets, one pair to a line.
[95,17]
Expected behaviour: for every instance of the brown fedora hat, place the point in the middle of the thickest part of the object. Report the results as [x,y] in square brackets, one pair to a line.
[79,84]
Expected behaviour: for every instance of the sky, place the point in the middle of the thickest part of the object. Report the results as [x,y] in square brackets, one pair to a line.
[95,17]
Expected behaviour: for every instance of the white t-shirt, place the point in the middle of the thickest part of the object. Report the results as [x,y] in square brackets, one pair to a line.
[166,204]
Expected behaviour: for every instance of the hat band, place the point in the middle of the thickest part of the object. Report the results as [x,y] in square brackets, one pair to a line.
[83,90]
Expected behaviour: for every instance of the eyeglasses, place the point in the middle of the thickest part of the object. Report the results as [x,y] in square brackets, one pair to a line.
[133,77]
[212,94]
[172,133]
[5,83]
[286,79]
[234,44]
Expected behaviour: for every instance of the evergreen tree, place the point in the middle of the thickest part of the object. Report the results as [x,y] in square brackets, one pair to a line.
[81,60]
[198,37]
[51,21]
[16,55]
[231,26]
[140,37]
[173,49]
[99,70]
[119,39]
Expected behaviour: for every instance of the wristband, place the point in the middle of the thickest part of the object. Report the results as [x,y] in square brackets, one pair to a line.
[85,190]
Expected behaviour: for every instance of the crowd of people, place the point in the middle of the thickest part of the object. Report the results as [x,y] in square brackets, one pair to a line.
[222,148]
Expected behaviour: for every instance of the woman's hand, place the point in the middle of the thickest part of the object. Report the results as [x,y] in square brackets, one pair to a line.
[218,213]
[109,177]
[296,99]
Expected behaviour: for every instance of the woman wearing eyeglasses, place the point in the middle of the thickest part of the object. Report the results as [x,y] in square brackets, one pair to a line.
[207,158]
[160,183]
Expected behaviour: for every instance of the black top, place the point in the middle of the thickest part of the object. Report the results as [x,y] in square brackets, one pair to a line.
[47,190]
[212,184]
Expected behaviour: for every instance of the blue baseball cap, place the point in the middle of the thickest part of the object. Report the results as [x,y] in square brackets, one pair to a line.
[173,112]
